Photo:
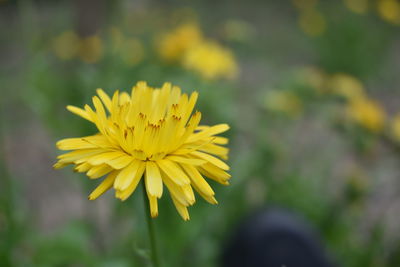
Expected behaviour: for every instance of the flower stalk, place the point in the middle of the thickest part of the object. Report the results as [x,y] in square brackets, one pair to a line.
[150,228]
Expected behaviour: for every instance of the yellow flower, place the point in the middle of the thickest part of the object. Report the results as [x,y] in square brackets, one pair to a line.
[367,113]
[389,10]
[283,101]
[346,86]
[173,45]
[357,6]
[117,39]
[91,49]
[312,22]
[132,51]
[396,127]
[211,61]
[66,45]
[313,77]
[153,134]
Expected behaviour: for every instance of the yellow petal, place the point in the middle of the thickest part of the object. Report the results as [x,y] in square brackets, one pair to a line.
[189,108]
[104,98]
[74,143]
[105,157]
[59,165]
[220,140]
[182,210]
[177,191]
[83,167]
[98,171]
[191,161]
[198,181]
[213,160]
[215,173]
[80,112]
[189,194]
[100,112]
[173,171]
[77,155]
[120,162]
[220,128]
[124,98]
[216,150]
[153,180]
[124,194]
[103,186]
[153,205]
[127,175]
[98,141]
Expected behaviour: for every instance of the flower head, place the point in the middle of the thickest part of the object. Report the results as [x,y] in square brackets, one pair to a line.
[153,134]
[211,60]
[389,10]
[173,45]
[346,86]
[91,49]
[283,101]
[66,45]
[367,113]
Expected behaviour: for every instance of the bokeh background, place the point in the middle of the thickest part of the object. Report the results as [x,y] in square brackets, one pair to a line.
[309,88]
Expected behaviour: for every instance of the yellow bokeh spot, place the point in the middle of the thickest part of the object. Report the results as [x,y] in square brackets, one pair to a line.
[117,39]
[132,51]
[211,61]
[312,22]
[395,127]
[91,49]
[357,6]
[367,113]
[66,45]
[389,10]
[346,86]
[173,45]
[284,102]
[313,77]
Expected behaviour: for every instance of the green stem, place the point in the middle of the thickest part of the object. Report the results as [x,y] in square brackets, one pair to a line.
[150,226]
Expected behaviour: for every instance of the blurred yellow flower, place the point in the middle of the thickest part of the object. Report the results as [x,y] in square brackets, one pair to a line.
[389,10]
[367,113]
[66,45]
[312,22]
[153,134]
[91,49]
[117,39]
[395,127]
[211,61]
[284,102]
[172,46]
[313,77]
[357,6]
[132,51]
[346,86]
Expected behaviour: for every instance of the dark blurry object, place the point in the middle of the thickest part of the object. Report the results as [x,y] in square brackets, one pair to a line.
[274,238]
[90,16]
